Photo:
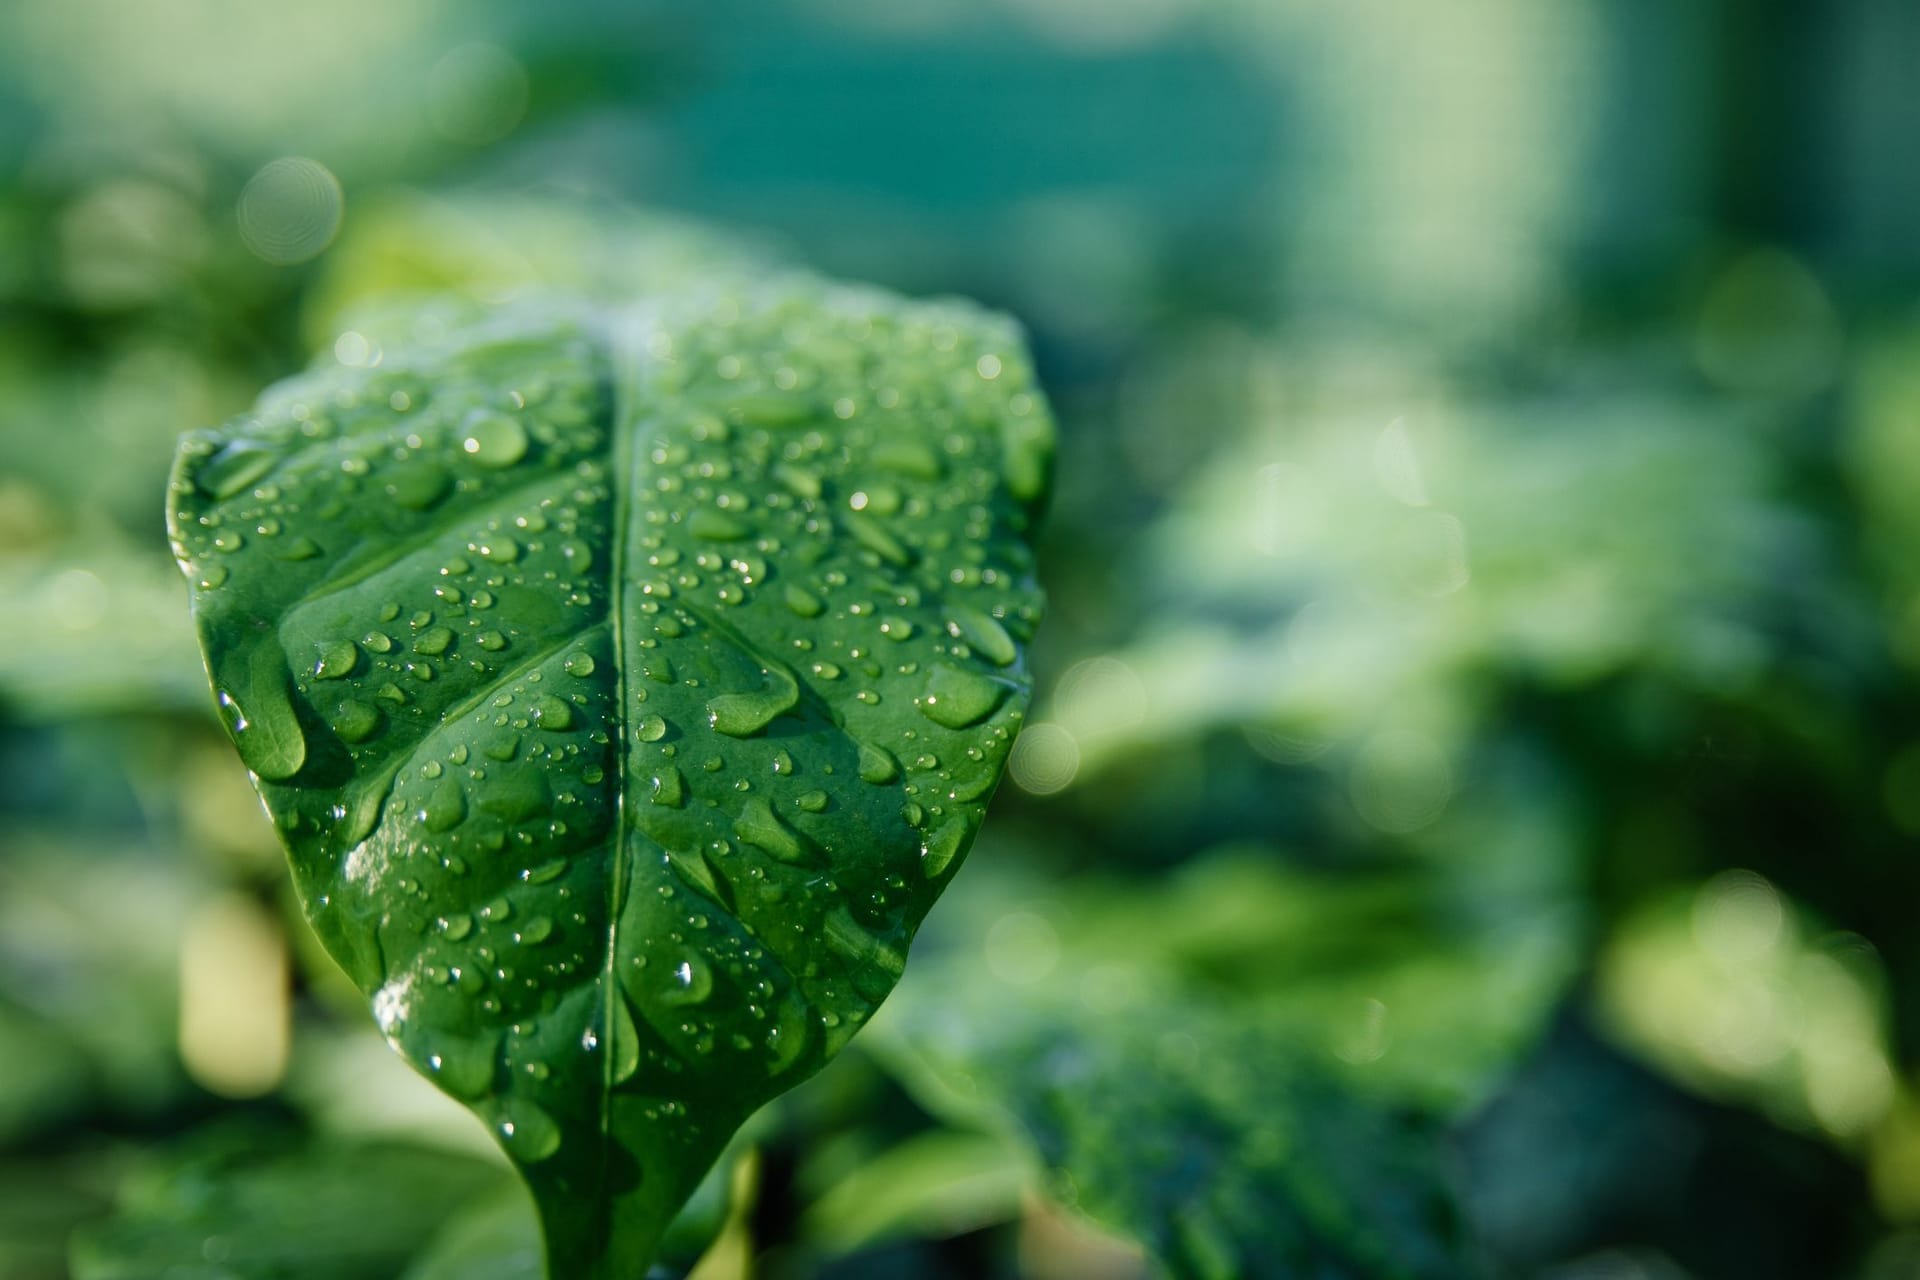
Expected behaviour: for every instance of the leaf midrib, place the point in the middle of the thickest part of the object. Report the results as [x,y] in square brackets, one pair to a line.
[624,359]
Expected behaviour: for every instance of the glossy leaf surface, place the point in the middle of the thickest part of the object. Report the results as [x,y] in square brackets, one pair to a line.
[626,684]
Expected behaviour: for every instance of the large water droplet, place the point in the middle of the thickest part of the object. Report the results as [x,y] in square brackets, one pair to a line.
[741,715]
[418,486]
[956,697]
[1028,445]
[233,469]
[985,634]
[464,1066]
[494,440]
[528,1133]
[877,765]
[433,641]
[716,526]
[760,826]
[514,795]
[356,721]
[446,806]
[669,788]
[259,712]
[908,457]
[625,1048]
[875,537]
[766,409]
[789,1036]
[545,872]
[942,846]
[337,660]
[552,713]
[690,982]
[803,602]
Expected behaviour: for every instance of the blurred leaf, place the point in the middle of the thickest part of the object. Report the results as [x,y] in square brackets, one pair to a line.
[1728,988]
[89,945]
[261,1207]
[96,633]
[1360,571]
[1192,1126]
[934,1184]
[48,1078]
[490,248]
[42,1200]
[1406,996]
[495,1239]
[1415,983]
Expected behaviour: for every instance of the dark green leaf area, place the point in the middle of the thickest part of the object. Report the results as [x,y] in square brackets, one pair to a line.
[626,685]
[273,1207]
[1205,1134]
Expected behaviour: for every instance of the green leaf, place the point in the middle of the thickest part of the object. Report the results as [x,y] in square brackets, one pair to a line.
[1202,1132]
[934,1184]
[263,1207]
[497,1239]
[1392,976]
[615,678]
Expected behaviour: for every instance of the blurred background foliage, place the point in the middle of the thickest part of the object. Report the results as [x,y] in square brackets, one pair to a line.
[1469,822]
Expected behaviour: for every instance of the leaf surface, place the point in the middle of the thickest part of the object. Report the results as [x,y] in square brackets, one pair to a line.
[626,684]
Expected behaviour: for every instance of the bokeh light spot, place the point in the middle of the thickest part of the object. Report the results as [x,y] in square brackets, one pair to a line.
[479,94]
[1401,781]
[1045,759]
[290,210]
[1022,947]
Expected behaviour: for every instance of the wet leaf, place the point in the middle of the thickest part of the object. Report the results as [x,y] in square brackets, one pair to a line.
[617,691]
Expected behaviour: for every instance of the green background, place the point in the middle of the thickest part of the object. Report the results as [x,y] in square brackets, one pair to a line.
[1468,820]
